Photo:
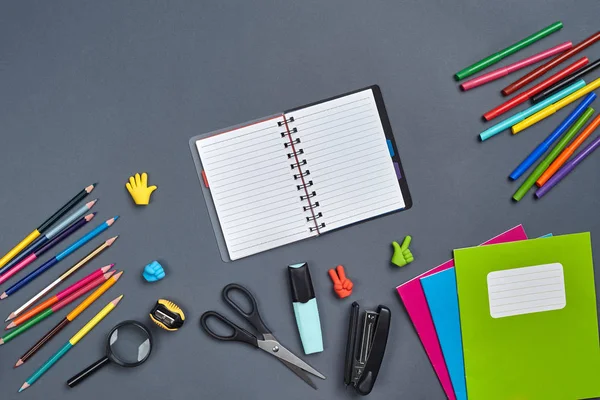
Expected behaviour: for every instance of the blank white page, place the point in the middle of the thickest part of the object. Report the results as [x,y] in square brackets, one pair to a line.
[253,188]
[348,160]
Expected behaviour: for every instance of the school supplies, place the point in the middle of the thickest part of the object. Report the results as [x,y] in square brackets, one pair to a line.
[342,286]
[153,272]
[65,253]
[264,339]
[305,307]
[520,116]
[365,348]
[500,72]
[42,240]
[568,152]
[442,299]
[64,276]
[53,309]
[496,57]
[402,254]
[129,344]
[415,302]
[168,315]
[566,81]
[46,225]
[139,190]
[72,342]
[300,173]
[568,168]
[551,109]
[73,292]
[541,70]
[45,248]
[529,319]
[547,143]
[524,96]
[70,317]
[545,163]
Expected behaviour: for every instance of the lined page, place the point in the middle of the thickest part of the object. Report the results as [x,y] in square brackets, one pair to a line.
[348,159]
[253,189]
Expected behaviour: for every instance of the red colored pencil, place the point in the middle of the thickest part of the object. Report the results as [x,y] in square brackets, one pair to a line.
[521,98]
[54,299]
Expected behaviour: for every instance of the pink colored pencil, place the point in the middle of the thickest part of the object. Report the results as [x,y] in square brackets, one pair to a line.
[500,72]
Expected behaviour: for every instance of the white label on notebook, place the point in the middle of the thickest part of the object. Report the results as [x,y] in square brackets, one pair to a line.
[526,290]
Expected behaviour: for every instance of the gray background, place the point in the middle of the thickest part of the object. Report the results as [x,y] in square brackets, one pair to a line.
[97,90]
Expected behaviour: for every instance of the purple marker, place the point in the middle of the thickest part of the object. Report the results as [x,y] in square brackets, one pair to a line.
[568,167]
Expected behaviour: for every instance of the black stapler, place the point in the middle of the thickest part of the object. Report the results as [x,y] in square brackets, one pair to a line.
[365,347]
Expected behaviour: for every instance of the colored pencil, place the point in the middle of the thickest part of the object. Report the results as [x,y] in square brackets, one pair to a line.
[542,69]
[548,111]
[64,276]
[52,262]
[522,97]
[553,137]
[55,308]
[69,318]
[46,225]
[520,116]
[568,152]
[42,240]
[496,57]
[509,69]
[566,81]
[541,167]
[72,342]
[47,247]
[49,302]
[568,167]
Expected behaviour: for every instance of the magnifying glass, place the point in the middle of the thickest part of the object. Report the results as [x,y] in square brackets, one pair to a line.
[129,345]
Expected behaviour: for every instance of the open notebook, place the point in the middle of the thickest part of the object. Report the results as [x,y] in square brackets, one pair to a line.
[301,173]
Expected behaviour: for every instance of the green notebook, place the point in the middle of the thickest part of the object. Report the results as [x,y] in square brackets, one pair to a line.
[529,320]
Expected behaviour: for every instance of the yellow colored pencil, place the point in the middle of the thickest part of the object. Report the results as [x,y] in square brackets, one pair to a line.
[551,109]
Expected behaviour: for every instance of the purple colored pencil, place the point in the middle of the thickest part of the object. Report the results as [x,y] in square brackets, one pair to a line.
[568,167]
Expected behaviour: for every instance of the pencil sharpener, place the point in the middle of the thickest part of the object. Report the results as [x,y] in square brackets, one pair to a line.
[168,315]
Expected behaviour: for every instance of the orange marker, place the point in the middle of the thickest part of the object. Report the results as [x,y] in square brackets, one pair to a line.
[568,152]
[342,286]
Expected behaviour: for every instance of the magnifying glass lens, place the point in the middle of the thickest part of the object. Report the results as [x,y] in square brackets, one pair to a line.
[130,345]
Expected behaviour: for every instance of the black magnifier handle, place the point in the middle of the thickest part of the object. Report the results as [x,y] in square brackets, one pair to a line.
[80,377]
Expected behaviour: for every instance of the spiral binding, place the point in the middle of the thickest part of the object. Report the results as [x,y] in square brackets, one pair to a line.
[316,217]
[293,142]
[311,207]
[312,229]
[284,134]
[295,153]
[305,173]
[303,162]
[306,185]
[308,196]
[281,123]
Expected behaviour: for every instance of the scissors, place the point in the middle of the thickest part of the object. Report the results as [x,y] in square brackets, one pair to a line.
[264,340]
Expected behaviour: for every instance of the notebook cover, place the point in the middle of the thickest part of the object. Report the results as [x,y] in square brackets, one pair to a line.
[415,303]
[542,355]
[442,299]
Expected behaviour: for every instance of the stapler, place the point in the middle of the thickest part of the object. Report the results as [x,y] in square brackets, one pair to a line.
[367,339]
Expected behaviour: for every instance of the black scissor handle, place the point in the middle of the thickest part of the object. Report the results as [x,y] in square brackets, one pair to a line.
[238,335]
[253,316]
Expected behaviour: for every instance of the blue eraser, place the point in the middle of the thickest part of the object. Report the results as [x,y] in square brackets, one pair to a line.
[305,308]
[153,272]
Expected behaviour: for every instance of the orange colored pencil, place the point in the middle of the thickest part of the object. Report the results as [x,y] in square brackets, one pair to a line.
[568,152]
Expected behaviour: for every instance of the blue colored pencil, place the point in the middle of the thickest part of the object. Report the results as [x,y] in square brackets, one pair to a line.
[55,260]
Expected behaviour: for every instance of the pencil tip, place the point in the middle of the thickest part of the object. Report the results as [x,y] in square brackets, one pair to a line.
[90,188]
[118,275]
[117,300]
[109,274]
[106,268]
[111,240]
[25,386]
[10,326]
[89,217]
[1,342]
[11,316]
[112,220]
[19,363]
[3,296]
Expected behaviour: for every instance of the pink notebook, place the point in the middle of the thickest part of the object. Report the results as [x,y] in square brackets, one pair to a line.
[415,303]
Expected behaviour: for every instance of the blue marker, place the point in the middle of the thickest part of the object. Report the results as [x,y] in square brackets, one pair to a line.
[545,145]
[55,260]
[305,308]
[515,119]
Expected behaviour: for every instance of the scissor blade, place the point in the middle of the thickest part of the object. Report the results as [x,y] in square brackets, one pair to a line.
[300,373]
[273,347]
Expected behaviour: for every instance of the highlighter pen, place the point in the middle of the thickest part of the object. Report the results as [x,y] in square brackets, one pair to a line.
[545,163]
[509,69]
[305,308]
[568,167]
[507,123]
[548,111]
[566,81]
[545,145]
[496,57]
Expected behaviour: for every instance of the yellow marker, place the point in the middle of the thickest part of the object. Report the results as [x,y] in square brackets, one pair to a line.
[548,111]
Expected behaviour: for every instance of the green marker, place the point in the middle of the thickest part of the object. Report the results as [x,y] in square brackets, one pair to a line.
[494,58]
[539,170]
